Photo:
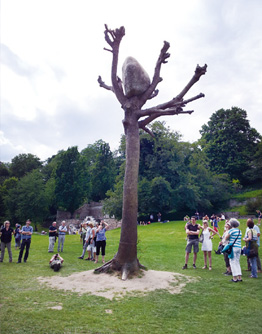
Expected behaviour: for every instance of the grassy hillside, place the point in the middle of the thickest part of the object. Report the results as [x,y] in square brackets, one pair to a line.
[211,304]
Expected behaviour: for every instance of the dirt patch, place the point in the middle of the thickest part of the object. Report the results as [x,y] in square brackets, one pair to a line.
[111,286]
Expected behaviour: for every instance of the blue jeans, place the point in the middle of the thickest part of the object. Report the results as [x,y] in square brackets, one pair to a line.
[253,263]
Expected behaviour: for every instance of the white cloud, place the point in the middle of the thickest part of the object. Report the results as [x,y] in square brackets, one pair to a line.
[52,54]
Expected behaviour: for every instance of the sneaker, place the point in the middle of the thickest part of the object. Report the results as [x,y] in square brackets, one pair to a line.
[228,273]
[185,266]
[88,259]
[80,257]
[194,266]
[225,273]
[240,280]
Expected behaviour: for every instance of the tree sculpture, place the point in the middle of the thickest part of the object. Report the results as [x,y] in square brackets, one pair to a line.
[132,93]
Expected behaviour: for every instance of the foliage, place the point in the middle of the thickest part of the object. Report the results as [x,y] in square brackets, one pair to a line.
[231,144]
[23,164]
[210,289]
[67,189]
[253,205]
[174,178]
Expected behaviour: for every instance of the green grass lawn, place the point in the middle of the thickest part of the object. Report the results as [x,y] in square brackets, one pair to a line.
[212,304]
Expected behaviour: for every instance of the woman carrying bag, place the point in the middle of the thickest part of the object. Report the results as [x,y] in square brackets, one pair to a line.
[234,236]
[252,247]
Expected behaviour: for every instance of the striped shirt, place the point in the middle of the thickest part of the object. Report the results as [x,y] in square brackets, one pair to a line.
[234,236]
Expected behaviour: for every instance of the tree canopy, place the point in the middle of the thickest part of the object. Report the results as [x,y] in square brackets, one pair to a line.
[230,143]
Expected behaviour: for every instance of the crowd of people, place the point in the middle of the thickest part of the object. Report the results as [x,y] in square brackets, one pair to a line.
[92,235]
[229,245]
[93,239]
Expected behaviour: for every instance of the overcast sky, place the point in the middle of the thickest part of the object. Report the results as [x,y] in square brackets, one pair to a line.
[52,54]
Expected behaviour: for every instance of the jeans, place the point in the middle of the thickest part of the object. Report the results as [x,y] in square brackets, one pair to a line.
[84,249]
[8,246]
[253,262]
[25,244]
[61,240]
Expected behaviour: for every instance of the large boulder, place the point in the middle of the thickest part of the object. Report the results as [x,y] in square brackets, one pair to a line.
[135,79]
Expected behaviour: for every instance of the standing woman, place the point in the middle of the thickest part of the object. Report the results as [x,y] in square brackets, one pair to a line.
[6,237]
[101,240]
[83,231]
[207,244]
[234,236]
[251,241]
[225,242]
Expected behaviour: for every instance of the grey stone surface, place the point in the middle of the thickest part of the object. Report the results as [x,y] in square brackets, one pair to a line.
[135,79]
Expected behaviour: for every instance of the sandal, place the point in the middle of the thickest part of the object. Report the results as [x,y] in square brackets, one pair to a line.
[205,267]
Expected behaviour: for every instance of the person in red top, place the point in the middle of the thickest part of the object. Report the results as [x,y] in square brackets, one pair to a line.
[192,231]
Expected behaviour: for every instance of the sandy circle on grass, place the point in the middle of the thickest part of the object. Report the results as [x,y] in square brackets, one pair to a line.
[111,286]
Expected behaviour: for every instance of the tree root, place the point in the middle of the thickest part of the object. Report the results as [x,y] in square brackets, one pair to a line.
[126,269]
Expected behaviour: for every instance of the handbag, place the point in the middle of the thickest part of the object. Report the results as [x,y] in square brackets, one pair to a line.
[252,248]
[229,248]
[201,238]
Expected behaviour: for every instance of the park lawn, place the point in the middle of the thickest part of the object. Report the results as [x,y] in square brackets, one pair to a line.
[211,304]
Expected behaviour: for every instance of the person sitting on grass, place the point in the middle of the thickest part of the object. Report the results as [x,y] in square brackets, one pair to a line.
[56,262]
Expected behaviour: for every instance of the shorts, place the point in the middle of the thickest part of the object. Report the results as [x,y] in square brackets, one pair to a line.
[192,243]
[92,247]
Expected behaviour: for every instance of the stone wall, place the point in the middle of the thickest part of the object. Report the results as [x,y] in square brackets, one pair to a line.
[93,209]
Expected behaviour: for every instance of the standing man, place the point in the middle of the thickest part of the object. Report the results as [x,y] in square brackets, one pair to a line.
[26,234]
[61,236]
[52,237]
[192,231]
[6,236]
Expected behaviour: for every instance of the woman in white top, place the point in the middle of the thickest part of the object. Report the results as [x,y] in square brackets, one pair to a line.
[207,243]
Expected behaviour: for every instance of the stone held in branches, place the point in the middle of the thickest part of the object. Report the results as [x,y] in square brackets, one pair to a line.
[135,79]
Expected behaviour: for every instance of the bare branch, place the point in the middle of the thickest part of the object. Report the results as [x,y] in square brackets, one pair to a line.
[170,112]
[199,71]
[113,38]
[154,94]
[162,59]
[169,107]
[146,130]
[102,84]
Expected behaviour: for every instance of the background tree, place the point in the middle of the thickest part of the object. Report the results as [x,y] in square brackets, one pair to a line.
[67,186]
[23,164]
[132,101]
[230,142]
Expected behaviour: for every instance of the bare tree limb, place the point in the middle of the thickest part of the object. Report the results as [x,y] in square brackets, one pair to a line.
[154,94]
[169,107]
[102,84]
[113,38]
[162,59]
[169,112]
[199,71]
[147,130]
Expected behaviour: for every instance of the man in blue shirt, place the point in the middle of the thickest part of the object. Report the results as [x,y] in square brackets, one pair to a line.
[26,234]
[61,236]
